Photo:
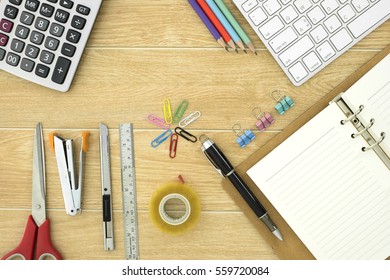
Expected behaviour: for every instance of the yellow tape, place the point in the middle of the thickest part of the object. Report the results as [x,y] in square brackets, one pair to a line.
[167,223]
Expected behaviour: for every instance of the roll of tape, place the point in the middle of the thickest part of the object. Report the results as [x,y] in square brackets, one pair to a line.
[187,196]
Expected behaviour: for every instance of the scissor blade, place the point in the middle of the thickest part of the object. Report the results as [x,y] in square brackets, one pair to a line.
[38,178]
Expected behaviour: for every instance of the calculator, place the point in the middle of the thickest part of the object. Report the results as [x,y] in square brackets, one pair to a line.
[43,41]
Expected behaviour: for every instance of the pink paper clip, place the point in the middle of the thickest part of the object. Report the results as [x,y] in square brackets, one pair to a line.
[264,120]
[157,121]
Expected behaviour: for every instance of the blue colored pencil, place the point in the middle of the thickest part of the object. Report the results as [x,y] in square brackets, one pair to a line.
[208,23]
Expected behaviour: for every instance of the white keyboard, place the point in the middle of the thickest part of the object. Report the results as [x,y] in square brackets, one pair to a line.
[306,35]
[43,40]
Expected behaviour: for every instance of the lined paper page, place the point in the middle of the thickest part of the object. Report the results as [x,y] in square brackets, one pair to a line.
[334,196]
[373,91]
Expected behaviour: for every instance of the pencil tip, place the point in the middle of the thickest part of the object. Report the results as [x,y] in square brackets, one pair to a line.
[236,50]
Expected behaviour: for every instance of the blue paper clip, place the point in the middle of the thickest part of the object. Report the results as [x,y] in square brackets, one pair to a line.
[161,138]
[243,137]
[284,103]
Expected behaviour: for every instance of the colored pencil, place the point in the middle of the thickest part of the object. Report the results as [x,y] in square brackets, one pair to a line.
[225,10]
[208,23]
[225,23]
[218,25]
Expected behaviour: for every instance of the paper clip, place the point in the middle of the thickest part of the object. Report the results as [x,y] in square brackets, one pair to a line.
[157,121]
[167,111]
[173,145]
[161,138]
[244,137]
[180,111]
[284,103]
[186,135]
[264,120]
[189,119]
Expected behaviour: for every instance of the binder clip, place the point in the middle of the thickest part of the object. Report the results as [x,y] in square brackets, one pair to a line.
[284,103]
[71,190]
[264,120]
[244,137]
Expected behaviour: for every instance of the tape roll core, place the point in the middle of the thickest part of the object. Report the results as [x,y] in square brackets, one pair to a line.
[166,217]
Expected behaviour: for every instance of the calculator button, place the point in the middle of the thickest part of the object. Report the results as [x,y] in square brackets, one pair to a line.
[11,12]
[61,16]
[83,10]
[27,65]
[73,36]
[51,43]
[36,37]
[32,5]
[53,1]
[27,18]
[16,2]
[3,40]
[56,29]
[12,59]
[66,4]
[22,32]
[68,49]
[61,70]
[6,25]
[46,10]
[2,54]
[46,57]
[78,22]
[42,71]
[41,24]
[32,51]
[17,45]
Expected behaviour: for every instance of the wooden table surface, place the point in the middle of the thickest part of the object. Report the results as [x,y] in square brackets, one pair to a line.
[139,54]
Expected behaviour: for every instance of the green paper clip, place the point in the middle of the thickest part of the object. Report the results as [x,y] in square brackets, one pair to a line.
[180,111]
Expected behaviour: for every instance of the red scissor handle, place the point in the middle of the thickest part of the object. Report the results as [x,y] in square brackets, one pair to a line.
[44,246]
[25,249]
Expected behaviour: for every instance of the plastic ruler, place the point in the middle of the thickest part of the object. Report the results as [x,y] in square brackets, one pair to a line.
[130,219]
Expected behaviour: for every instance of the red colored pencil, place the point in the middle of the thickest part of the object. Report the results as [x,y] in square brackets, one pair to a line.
[225,35]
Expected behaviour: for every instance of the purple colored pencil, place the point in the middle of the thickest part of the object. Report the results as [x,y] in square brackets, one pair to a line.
[208,23]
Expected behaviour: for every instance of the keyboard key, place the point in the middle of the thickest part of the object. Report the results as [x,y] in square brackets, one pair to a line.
[41,24]
[27,18]
[12,59]
[46,10]
[73,36]
[285,1]
[61,16]
[283,39]
[303,5]
[22,31]
[32,51]
[17,45]
[66,4]
[27,65]
[326,51]
[332,24]
[294,52]
[32,5]
[78,22]
[85,10]
[312,61]
[42,71]
[302,25]
[318,34]
[341,39]
[271,27]
[56,29]
[360,5]
[36,37]
[51,43]
[10,12]
[46,57]
[298,72]
[258,16]
[3,40]
[289,14]
[346,13]
[316,15]
[6,25]
[272,6]
[329,5]
[68,50]
[61,70]
[2,54]
[16,2]
[369,18]
[249,5]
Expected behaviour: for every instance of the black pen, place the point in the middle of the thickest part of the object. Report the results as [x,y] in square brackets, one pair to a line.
[223,167]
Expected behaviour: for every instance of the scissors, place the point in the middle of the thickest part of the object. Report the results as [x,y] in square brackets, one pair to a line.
[36,243]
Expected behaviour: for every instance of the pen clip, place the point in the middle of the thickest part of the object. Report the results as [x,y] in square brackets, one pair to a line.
[213,164]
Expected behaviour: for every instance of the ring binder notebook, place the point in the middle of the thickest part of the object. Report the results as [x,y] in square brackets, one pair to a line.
[330,180]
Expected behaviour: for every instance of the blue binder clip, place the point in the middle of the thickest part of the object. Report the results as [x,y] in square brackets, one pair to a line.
[243,137]
[284,103]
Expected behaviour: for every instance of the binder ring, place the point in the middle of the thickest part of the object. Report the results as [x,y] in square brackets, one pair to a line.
[361,107]
[383,135]
[354,135]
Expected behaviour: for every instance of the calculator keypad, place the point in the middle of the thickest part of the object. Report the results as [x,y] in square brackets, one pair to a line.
[42,41]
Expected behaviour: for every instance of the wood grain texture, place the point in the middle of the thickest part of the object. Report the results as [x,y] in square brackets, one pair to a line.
[138,55]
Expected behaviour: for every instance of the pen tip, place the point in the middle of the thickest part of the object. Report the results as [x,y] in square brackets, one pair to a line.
[277,233]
